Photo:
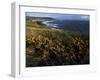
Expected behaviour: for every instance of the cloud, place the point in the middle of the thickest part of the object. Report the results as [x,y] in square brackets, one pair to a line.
[85,17]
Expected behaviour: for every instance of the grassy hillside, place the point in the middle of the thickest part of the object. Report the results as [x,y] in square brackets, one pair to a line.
[50,47]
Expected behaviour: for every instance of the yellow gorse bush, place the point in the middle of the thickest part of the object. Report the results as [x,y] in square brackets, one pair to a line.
[44,45]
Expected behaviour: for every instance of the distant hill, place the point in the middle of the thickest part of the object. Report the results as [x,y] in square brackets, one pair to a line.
[39,18]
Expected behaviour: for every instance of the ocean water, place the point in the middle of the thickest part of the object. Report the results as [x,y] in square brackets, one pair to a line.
[71,25]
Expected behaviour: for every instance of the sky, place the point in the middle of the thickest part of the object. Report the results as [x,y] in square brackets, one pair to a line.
[59,16]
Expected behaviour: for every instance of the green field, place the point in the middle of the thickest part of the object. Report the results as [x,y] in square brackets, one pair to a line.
[52,47]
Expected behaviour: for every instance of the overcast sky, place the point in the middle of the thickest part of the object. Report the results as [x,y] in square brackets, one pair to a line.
[59,16]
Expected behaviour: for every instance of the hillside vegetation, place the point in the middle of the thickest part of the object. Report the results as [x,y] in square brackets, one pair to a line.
[50,47]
